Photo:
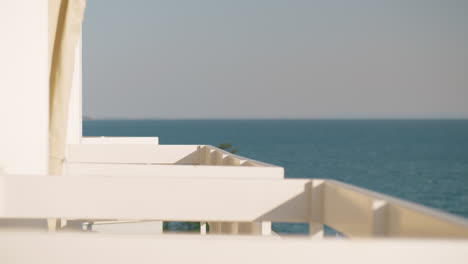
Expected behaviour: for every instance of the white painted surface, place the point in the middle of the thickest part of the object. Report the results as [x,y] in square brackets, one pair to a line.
[128,227]
[174,171]
[120,140]
[210,155]
[353,211]
[132,153]
[346,208]
[152,199]
[203,228]
[24,86]
[16,247]
[133,150]
[266,228]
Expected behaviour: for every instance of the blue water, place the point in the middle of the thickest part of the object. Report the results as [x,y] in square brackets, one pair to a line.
[425,161]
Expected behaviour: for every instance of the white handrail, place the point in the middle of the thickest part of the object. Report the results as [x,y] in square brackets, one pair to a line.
[353,211]
[97,248]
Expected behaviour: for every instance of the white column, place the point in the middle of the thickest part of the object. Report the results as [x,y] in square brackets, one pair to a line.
[24,87]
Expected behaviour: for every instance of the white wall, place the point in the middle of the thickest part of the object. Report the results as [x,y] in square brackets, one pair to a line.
[24,89]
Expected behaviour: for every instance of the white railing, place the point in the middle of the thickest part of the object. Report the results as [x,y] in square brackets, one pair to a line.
[26,201]
[172,161]
[132,151]
[209,155]
[143,157]
[353,211]
[16,247]
[119,140]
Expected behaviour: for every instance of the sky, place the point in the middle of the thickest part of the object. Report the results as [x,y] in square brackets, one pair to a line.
[186,59]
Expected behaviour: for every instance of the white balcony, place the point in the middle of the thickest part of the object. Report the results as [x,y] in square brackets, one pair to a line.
[122,189]
[353,211]
[116,157]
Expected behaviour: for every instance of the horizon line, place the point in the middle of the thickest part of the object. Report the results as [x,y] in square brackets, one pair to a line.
[282,118]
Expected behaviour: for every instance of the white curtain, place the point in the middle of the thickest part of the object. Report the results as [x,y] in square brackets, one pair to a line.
[65,20]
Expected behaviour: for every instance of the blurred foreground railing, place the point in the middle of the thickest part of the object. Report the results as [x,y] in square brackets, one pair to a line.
[353,211]
[28,248]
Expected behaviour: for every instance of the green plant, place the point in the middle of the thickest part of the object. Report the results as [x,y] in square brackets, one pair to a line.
[228,147]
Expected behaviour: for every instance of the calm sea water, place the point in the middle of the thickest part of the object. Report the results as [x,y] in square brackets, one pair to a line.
[425,161]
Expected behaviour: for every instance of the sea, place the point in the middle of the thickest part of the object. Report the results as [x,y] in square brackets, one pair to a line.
[423,161]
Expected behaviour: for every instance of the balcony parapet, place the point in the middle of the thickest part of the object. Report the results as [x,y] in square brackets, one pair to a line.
[355,212]
[119,159]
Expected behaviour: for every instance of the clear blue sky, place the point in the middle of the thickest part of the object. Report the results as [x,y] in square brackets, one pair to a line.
[276,59]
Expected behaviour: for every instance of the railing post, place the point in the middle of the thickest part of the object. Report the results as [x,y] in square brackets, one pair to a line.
[266,228]
[200,155]
[379,215]
[203,228]
[234,228]
[316,208]
[316,230]
[204,155]
[51,224]
[215,228]
[212,228]
[219,157]
[228,228]
[207,155]
[231,161]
